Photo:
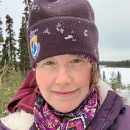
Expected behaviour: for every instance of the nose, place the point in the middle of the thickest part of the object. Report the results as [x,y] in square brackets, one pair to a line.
[63,76]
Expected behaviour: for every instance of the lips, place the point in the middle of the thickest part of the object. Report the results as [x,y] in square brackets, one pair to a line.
[64,94]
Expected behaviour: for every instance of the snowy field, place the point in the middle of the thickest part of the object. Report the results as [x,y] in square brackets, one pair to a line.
[125,73]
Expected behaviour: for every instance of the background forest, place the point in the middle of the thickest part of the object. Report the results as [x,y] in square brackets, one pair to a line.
[15,63]
[14,59]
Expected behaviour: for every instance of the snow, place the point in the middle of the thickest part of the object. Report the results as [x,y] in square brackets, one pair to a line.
[59,29]
[35,7]
[125,94]
[69,37]
[58,1]
[47,31]
[86,33]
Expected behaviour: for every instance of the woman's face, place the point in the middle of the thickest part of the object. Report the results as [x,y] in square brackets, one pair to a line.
[64,81]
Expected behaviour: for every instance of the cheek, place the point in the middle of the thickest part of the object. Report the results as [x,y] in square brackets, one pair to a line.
[43,80]
[84,77]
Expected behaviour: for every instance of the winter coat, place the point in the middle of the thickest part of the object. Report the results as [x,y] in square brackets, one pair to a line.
[112,114]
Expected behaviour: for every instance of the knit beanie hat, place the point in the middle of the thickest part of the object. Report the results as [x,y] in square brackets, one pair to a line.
[57,27]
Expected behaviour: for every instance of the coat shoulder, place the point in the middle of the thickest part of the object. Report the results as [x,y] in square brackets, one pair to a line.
[19,120]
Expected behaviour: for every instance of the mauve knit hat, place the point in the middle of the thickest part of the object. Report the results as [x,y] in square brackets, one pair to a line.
[57,27]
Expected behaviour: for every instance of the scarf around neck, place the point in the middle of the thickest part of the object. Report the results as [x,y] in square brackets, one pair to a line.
[47,118]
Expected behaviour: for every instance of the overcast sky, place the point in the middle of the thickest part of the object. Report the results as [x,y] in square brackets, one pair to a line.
[112,19]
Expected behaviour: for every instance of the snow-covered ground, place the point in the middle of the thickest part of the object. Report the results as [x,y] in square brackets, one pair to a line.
[125,73]
[125,94]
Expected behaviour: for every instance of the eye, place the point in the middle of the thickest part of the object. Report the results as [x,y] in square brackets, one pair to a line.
[49,63]
[76,60]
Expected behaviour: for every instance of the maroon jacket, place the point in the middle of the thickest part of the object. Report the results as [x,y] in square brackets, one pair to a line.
[25,92]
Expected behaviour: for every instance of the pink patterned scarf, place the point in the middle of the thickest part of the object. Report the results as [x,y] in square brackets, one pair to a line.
[47,118]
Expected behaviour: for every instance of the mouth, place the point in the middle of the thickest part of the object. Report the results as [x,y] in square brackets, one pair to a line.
[66,93]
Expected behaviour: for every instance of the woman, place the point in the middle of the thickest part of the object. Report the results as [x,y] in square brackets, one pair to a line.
[63,50]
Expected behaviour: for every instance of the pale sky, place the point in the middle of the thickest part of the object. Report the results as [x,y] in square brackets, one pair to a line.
[112,19]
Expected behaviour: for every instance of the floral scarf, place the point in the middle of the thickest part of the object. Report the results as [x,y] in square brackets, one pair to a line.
[47,118]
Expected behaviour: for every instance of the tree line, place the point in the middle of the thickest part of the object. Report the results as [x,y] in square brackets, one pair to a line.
[121,64]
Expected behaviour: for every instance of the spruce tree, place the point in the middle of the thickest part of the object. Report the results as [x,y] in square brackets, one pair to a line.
[1,35]
[9,49]
[26,9]
[1,40]
[113,81]
[104,76]
[5,55]
[24,63]
[119,77]
[119,82]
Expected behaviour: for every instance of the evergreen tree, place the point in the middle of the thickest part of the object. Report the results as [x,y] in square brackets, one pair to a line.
[26,10]
[104,76]
[24,63]
[9,49]
[1,35]
[1,39]
[5,56]
[113,81]
[119,82]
